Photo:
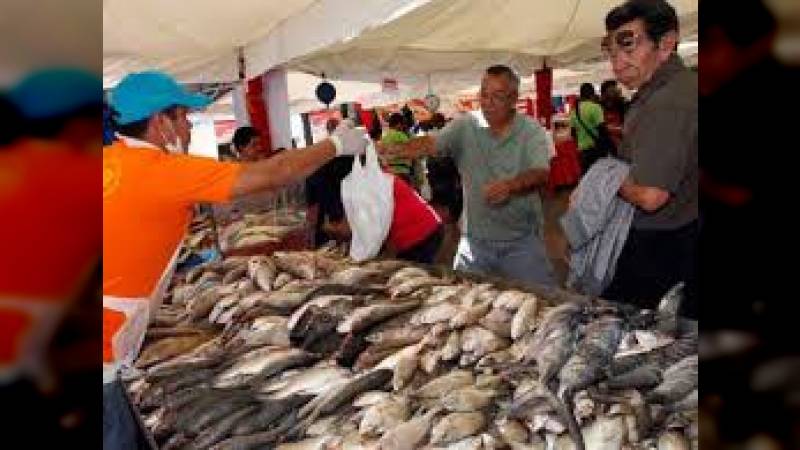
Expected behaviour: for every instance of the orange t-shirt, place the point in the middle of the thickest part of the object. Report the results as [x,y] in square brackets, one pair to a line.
[147,199]
[49,219]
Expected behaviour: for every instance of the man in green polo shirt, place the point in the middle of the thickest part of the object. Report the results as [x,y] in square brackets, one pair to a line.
[502,163]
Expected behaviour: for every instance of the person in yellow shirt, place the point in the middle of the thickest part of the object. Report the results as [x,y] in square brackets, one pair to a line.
[149,187]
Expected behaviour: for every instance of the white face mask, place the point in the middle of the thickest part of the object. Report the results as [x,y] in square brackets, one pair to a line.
[176,147]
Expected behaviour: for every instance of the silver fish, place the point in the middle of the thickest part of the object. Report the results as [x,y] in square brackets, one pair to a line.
[367,316]
[264,362]
[680,379]
[525,317]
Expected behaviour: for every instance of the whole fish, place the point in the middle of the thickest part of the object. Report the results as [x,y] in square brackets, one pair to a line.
[408,435]
[365,317]
[200,305]
[301,265]
[438,387]
[410,286]
[554,339]
[525,318]
[263,362]
[282,280]
[468,399]
[470,315]
[479,341]
[498,320]
[269,412]
[168,348]
[397,337]
[234,274]
[383,416]
[338,396]
[406,274]
[355,275]
[593,355]
[441,312]
[667,312]
[643,377]
[441,294]
[222,429]
[262,270]
[512,431]
[510,300]
[456,426]
[680,379]
[452,347]
[314,380]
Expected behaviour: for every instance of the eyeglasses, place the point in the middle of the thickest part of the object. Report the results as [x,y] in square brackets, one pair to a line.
[495,98]
[625,40]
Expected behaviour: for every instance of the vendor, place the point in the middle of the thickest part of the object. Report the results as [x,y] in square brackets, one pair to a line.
[149,187]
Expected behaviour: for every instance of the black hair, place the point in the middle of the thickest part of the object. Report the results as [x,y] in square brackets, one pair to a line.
[508,72]
[659,17]
[138,129]
[12,121]
[51,127]
[396,119]
[606,85]
[242,137]
[587,91]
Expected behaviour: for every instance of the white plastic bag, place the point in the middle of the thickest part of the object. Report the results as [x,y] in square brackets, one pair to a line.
[368,198]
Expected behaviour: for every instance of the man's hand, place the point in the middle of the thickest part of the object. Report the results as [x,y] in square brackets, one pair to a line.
[497,192]
[349,141]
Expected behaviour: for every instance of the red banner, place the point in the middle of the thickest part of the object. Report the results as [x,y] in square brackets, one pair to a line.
[544,95]
[257,109]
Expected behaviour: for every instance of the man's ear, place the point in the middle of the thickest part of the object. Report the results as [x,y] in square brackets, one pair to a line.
[668,45]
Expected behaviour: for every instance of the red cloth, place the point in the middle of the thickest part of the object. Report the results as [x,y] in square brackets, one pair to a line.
[413,219]
[565,168]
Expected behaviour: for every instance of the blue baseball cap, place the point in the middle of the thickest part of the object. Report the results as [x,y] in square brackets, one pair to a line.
[143,94]
[54,92]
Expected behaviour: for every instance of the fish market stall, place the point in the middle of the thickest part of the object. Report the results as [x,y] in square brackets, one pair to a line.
[306,349]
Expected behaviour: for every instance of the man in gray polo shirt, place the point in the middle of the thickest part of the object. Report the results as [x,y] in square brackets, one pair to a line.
[660,142]
[502,163]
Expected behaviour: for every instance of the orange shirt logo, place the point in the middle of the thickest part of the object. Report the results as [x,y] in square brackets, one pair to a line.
[112,173]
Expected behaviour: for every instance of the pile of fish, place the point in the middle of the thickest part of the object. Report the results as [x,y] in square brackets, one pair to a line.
[254,229]
[305,350]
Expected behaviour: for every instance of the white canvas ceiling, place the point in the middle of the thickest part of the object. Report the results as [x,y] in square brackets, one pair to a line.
[464,37]
[198,40]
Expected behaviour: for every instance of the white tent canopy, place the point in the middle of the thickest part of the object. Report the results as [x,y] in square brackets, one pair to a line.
[464,37]
[199,40]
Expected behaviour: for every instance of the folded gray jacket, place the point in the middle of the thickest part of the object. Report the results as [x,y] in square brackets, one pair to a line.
[596,226]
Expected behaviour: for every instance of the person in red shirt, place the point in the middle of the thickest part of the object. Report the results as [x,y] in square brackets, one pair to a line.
[416,232]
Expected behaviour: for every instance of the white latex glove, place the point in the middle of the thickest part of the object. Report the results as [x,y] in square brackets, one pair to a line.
[349,140]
